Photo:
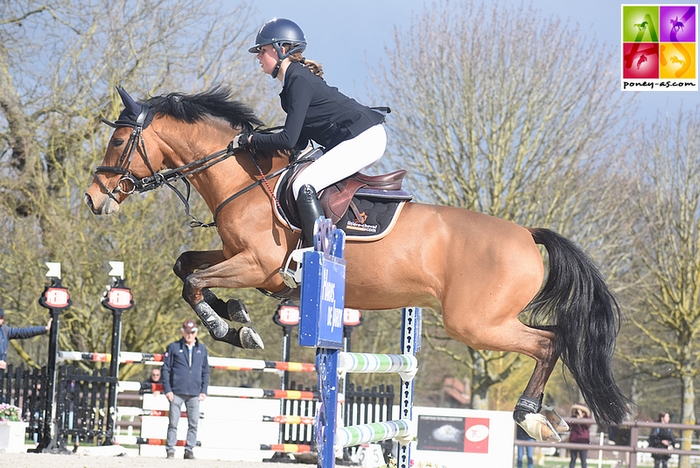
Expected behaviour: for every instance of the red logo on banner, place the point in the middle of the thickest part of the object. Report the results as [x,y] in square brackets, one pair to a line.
[56,298]
[476,435]
[118,298]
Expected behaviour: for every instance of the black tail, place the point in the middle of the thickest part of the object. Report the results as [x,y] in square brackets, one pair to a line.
[586,318]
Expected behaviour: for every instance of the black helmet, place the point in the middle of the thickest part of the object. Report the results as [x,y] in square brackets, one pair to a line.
[280,31]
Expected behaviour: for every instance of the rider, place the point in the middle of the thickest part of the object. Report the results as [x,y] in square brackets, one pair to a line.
[352,134]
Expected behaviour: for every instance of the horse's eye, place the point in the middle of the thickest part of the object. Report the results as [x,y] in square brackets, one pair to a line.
[117,142]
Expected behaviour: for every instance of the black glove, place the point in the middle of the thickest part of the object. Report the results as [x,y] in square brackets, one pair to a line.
[240,141]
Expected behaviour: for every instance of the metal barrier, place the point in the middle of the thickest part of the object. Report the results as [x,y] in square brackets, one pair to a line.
[631,451]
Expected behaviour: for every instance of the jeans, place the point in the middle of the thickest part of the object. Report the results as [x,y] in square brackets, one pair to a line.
[583,454]
[530,455]
[192,408]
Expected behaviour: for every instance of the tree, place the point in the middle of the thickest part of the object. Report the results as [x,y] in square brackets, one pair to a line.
[515,122]
[60,62]
[667,252]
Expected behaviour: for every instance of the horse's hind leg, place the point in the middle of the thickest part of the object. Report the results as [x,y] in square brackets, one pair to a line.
[209,308]
[545,425]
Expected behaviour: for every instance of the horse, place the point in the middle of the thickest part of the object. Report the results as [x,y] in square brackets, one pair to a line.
[642,59]
[676,25]
[480,272]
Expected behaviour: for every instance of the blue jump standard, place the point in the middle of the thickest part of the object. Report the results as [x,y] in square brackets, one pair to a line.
[321,327]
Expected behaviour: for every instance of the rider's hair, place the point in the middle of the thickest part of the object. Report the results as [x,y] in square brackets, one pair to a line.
[314,67]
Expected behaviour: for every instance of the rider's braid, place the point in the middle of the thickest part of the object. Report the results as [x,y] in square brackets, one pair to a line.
[314,67]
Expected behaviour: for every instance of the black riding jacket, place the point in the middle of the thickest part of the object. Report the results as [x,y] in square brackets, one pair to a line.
[315,111]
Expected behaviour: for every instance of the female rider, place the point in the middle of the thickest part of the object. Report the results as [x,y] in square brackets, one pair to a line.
[352,134]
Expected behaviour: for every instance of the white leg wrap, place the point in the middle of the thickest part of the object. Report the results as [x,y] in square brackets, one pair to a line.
[213,323]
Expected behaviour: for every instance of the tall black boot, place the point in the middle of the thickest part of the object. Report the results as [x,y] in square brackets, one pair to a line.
[309,211]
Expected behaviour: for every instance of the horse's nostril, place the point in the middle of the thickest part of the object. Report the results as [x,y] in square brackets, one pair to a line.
[88,201]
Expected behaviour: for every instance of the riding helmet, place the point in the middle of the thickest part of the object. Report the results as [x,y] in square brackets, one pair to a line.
[279,31]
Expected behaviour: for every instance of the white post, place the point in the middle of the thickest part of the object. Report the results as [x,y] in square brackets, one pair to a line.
[600,452]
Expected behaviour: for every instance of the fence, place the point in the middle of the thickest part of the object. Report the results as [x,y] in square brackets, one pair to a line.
[627,454]
[26,389]
[82,407]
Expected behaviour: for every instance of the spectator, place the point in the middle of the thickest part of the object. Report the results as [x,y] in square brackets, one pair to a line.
[522,435]
[147,386]
[185,379]
[662,437]
[12,333]
[580,434]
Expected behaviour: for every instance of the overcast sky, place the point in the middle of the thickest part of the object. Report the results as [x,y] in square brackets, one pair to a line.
[345,36]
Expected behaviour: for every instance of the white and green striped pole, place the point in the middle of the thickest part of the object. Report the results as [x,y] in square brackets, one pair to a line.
[374,432]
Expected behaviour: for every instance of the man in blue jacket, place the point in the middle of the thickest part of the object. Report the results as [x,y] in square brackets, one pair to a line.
[185,378]
[12,333]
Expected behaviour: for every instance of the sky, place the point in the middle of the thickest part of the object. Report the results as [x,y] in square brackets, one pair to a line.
[346,36]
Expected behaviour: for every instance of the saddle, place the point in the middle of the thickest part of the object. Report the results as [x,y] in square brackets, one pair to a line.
[363,206]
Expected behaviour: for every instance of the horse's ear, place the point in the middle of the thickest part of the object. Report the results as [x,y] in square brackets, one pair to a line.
[128,101]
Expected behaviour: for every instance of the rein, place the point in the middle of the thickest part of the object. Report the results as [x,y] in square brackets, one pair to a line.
[129,184]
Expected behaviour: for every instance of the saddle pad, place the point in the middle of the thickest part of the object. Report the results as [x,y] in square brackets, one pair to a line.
[379,217]
[381,207]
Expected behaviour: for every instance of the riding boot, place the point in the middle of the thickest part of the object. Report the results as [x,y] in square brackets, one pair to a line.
[309,211]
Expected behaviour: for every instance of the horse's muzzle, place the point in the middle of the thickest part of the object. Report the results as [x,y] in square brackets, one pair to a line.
[106,206]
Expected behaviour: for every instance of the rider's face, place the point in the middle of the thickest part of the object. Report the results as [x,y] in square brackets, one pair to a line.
[268,58]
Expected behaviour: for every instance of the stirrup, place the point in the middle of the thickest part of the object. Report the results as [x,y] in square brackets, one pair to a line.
[292,278]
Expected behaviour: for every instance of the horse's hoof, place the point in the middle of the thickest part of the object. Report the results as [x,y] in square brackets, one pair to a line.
[537,426]
[554,419]
[237,311]
[250,339]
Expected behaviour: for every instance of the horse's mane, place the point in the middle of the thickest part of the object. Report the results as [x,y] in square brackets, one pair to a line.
[216,102]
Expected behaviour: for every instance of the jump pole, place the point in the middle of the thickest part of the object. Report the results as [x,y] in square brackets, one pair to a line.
[321,326]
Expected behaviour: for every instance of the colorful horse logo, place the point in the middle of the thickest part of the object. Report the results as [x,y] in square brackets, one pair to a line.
[642,59]
[675,59]
[676,25]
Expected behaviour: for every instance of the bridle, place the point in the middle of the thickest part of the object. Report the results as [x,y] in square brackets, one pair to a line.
[128,183]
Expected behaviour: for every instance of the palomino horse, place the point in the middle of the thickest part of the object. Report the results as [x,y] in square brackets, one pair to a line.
[481,272]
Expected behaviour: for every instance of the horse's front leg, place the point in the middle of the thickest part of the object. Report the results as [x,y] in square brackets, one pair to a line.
[209,308]
[234,309]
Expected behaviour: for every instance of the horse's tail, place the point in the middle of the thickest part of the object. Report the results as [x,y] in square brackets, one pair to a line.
[586,319]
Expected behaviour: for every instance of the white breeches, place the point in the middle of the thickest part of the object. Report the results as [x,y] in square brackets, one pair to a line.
[344,160]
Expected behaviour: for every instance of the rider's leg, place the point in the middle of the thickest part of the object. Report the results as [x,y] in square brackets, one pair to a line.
[344,160]
[309,211]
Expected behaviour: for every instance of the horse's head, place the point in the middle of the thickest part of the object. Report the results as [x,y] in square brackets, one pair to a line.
[126,161]
[137,151]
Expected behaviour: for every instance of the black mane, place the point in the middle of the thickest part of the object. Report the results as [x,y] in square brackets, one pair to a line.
[216,102]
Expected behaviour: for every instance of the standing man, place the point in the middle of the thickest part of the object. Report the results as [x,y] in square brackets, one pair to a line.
[12,333]
[185,378]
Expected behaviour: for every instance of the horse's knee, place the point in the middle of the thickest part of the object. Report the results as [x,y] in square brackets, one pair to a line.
[179,267]
[190,261]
